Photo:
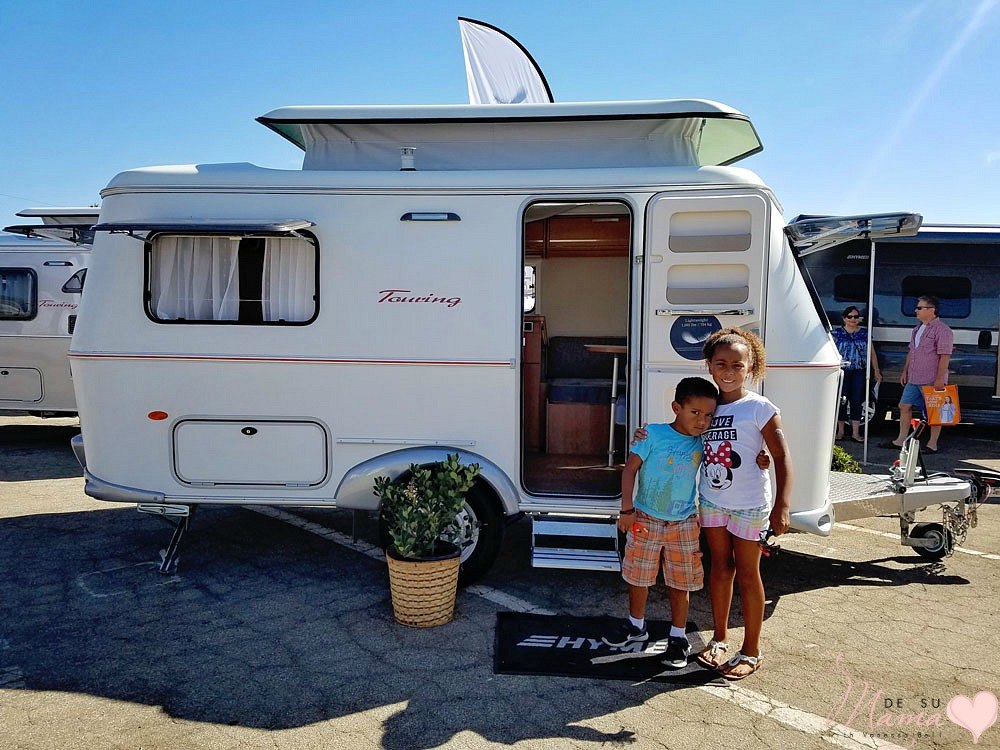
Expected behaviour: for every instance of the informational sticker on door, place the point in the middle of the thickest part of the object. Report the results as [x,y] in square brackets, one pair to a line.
[689,333]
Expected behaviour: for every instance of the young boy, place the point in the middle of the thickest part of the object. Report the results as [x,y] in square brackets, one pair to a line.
[661,523]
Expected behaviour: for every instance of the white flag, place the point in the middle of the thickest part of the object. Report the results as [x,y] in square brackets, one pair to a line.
[499,70]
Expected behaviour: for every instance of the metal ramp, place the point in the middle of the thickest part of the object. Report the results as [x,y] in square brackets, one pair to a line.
[857,496]
[574,542]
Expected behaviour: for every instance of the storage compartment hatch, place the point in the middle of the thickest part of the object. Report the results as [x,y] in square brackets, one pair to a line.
[251,452]
[20,384]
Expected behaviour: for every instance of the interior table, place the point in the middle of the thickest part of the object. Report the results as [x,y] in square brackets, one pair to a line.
[617,351]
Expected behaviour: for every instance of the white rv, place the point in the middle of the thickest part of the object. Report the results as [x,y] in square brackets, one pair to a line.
[497,281]
[41,280]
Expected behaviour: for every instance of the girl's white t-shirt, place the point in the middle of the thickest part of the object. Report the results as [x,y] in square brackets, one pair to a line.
[730,477]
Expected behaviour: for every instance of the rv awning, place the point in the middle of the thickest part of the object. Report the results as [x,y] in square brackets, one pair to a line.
[235,227]
[811,234]
[79,234]
[682,132]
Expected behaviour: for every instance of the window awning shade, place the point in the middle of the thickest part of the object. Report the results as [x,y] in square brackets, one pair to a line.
[79,234]
[233,228]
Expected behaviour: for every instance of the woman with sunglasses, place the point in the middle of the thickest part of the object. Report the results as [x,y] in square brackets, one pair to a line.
[852,343]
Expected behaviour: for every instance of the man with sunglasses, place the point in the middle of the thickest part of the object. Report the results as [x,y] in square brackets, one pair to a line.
[931,345]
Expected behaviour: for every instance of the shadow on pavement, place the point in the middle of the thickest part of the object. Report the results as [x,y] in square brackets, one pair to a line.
[38,451]
[266,626]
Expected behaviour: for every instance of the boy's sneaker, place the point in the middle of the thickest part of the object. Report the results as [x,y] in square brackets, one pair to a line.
[625,634]
[677,653]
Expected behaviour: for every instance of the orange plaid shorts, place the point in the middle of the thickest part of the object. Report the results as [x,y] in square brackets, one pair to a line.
[672,545]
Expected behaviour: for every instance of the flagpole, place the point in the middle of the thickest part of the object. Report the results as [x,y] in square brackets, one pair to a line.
[868,353]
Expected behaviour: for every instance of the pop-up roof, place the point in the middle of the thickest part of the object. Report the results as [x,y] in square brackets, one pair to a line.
[681,132]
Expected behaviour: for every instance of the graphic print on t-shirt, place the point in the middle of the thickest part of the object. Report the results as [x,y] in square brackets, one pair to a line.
[719,462]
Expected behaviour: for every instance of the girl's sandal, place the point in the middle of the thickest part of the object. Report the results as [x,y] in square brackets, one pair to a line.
[713,656]
[729,670]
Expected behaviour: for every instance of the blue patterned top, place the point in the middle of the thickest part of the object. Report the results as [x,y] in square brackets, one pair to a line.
[853,347]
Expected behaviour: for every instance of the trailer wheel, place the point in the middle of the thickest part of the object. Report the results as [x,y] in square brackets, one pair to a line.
[481,547]
[942,540]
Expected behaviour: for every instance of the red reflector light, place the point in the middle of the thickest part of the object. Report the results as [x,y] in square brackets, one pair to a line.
[157,416]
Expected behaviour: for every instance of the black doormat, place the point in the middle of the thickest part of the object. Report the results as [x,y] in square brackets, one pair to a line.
[559,646]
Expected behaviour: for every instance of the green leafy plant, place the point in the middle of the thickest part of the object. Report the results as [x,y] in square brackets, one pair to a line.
[422,511]
[843,461]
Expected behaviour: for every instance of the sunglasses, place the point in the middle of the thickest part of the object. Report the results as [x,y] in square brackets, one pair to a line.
[924,308]
[852,317]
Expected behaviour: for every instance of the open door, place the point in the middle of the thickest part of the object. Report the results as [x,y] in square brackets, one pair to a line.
[705,257]
[574,328]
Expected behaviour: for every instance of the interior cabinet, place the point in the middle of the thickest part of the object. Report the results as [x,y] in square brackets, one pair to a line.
[533,389]
[534,238]
[575,236]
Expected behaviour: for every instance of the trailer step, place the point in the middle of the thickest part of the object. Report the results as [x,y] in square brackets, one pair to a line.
[574,542]
[575,559]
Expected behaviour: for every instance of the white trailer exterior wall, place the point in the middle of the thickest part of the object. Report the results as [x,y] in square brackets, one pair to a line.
[34,369]
[180,413]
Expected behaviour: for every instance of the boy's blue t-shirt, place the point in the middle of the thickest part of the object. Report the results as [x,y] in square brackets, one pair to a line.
[669,472]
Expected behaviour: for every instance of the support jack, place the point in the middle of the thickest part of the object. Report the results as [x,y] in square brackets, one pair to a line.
[178,516]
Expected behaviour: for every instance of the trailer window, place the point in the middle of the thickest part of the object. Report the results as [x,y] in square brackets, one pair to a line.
[954,292]
[18,294]
[249,280]
[529,289]
[850,288]
[74,285]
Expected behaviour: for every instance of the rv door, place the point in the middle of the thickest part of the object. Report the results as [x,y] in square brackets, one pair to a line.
[704,269]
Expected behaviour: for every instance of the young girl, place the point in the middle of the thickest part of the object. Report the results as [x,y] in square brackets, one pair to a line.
[735,494]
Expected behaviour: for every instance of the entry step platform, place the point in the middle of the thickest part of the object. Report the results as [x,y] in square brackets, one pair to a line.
[857,496]
[572,542]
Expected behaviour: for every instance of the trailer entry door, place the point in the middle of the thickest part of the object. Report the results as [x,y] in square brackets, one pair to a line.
[704,270]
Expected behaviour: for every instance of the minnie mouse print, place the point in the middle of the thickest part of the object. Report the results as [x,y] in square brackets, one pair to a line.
[719,464]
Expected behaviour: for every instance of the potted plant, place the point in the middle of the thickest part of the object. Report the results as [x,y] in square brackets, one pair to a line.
[420,514]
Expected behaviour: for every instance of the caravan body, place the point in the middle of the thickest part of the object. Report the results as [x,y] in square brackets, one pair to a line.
[41,280]
[427,284]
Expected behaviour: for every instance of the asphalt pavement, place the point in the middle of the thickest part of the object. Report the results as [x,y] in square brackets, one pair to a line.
[277,632]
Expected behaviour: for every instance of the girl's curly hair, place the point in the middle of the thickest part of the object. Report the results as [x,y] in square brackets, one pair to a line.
[739,336]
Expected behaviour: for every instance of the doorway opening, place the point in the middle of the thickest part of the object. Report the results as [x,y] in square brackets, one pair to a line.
[575,326]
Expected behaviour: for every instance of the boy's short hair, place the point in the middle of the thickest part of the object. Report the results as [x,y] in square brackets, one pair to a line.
[691,387]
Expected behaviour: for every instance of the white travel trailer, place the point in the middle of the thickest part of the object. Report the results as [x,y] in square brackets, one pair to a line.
[475,279]
[41,279]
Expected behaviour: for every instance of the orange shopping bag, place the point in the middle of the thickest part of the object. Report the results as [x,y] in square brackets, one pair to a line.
[942,406]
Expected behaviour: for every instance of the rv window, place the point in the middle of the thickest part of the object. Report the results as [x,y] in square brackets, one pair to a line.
[850,287]
[255,280]
[18,294]
[74,285]
[954,292]
[529,289]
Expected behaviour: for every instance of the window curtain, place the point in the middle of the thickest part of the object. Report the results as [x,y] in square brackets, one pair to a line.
[195,278]
[289,284]
[17,294]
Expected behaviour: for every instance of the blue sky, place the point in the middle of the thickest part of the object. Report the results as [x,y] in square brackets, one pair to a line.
[863,106]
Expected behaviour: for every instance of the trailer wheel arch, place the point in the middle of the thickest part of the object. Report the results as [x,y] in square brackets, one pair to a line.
[355,490]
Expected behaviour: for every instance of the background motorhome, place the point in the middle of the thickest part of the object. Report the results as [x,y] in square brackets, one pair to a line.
[960,265]
[41,280]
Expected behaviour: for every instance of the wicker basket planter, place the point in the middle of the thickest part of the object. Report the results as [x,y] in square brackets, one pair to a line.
[423,590]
